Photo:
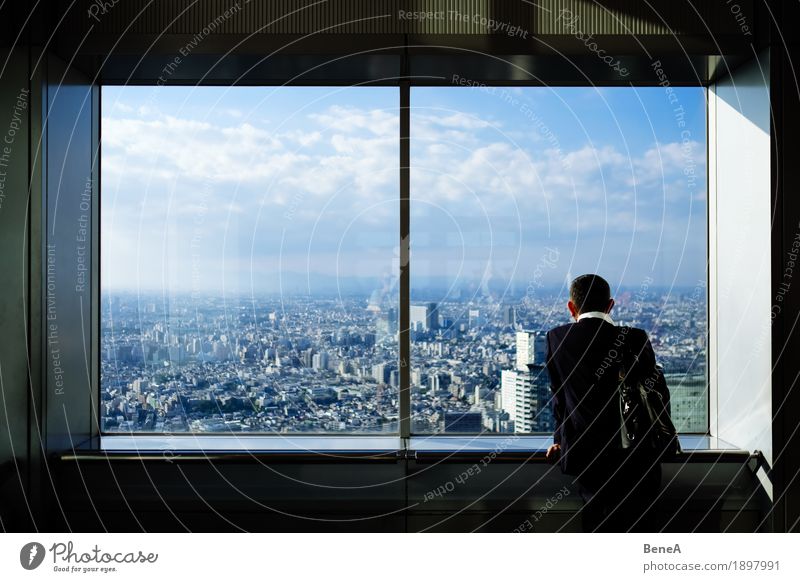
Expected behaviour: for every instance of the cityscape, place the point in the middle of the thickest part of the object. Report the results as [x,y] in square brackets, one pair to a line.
[190,364]
[263,226]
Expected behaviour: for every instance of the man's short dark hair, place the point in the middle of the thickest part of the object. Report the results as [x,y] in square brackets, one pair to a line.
[590,293]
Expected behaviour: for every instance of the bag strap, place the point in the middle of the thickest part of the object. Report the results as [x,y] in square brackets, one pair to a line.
[627,357]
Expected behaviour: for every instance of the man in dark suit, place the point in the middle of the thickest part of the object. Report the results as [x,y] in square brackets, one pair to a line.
[584,360]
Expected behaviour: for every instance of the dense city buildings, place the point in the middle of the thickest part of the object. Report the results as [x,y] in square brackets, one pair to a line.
[330,365]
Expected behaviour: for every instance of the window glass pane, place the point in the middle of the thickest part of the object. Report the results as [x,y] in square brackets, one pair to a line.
[249,259]
[515,191]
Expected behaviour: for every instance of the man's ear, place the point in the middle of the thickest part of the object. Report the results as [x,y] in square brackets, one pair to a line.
[610,306]
[572,309]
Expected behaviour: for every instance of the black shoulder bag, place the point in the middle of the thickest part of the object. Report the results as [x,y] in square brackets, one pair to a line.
[645,417]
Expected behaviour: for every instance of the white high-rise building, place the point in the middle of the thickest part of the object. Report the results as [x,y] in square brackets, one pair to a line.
[519,399]
[524,389]
[320,361]
[526,402]
[531,349]
[475,318]
[525,344]
[523,397]
[508,393]
[419,317]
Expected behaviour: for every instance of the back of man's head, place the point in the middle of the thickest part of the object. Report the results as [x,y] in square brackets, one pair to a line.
[590,293]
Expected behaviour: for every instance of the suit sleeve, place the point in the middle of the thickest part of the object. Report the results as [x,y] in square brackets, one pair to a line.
[650,372]
[645,356]
[558,404]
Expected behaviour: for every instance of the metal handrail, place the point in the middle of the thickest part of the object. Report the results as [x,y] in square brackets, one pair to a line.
[354,456]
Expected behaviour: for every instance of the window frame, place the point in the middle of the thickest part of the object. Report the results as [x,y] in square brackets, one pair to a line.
[404,433]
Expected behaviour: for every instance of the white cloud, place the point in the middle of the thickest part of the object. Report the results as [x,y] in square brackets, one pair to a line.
[351,120]
[122,107]
[338,170]
[450,120]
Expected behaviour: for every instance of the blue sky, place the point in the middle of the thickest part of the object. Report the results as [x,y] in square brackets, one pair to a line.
[295,189]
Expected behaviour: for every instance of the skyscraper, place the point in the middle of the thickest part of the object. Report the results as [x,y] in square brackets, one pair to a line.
[509,316]
[525,390]
[320,361]
[432,316]
[380,373]
[531,349]
[688,401]
[391,320]
[508,393]
[526,402]
[525,397]
[524,350]
[418,316]
[543,420]
[475,318]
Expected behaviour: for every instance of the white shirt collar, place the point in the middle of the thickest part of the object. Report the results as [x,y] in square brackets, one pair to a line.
[599,314]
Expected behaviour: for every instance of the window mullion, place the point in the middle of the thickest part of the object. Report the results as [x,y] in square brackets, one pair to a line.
[405,273]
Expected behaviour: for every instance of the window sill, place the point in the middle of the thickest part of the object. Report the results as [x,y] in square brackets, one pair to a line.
[510,448]
[257,443]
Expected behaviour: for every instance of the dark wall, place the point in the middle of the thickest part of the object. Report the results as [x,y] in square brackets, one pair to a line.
[48,123]
[785,98]
[15,110]
[157,494]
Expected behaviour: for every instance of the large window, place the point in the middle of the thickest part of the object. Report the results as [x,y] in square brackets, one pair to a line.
[515,191]
[248,259]
[251,251]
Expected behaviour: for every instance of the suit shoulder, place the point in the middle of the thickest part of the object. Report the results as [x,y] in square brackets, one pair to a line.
[639,334]
[634,332]
[560,330]
[637,339]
